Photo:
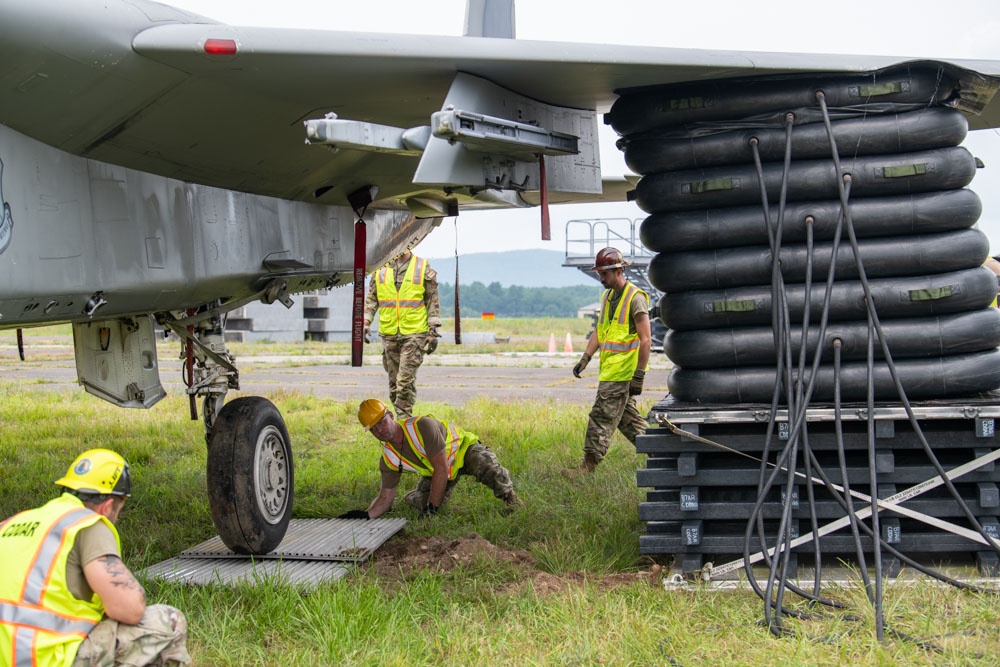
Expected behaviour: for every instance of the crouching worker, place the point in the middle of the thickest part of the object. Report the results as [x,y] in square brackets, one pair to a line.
[436,451]
[66,597]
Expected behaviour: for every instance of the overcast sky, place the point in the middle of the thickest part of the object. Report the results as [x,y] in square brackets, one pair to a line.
[912,28]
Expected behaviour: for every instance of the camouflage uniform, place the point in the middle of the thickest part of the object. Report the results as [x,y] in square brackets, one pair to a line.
[479,462]
[613,407]
[401,357]
[403,354]
[158,639]
[482,464]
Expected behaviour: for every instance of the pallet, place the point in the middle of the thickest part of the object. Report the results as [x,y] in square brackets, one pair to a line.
[700,495]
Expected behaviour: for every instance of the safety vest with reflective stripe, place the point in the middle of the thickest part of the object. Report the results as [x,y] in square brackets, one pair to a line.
[402,311]
[41,623]
[619,347]
[457,442]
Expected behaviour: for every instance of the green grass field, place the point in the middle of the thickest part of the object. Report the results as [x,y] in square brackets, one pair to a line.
[560,582]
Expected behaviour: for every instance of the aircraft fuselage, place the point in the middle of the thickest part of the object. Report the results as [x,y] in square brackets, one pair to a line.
[74,228]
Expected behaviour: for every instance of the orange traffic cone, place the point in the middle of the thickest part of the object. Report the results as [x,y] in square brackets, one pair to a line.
[569,343]
[552,343]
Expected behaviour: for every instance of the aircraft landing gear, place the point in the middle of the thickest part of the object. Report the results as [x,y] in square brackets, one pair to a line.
[250,475]
[250,472]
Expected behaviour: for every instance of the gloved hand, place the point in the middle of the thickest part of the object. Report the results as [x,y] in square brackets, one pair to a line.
[365,335]
[355,514]
[431,340]
[580,365]
[635,386]
[429,509]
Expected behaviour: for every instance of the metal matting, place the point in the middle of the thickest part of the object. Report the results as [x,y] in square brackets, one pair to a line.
[313,551]
[351,540]
[204,571]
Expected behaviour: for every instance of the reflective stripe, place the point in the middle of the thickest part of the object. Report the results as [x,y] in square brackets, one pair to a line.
[452,450]
[402,311]
[394,459]
[39,617]
[42,619]
[415,303]
[620,347]
[24,649]
[38,576]
[418,273]
[618,344]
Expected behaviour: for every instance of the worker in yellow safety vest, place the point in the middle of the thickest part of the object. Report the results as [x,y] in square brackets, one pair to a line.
[623,336]
[66,597]
[405,294]
[436,451]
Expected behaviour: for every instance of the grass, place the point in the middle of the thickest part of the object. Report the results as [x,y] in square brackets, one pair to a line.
[585,598]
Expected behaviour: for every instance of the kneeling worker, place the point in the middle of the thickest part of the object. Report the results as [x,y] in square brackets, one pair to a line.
[436,451]
[66,597]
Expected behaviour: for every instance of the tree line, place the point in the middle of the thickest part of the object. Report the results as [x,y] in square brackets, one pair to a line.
[518,301]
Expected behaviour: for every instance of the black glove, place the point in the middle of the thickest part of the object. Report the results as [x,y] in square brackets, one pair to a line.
[580,365]
[635,386]
[431,341]
[429,509]
[355,514]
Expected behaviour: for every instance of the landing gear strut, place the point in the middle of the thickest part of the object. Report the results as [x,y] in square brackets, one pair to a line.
[250,472]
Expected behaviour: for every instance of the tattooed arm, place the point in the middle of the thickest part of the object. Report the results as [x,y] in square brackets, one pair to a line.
[122,595]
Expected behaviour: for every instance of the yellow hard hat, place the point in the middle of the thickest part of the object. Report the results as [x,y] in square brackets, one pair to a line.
[100,472]
[371,412]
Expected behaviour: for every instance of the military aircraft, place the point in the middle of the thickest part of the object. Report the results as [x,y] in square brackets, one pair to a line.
[159,168]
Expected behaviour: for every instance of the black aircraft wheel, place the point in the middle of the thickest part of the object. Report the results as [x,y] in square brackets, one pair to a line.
[250,477]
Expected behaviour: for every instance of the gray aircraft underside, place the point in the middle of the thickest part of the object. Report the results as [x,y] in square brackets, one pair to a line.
[138,167]
[158,164]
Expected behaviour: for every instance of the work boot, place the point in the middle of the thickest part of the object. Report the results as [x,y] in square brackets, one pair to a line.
[588,465]
[512,502]
[416,498]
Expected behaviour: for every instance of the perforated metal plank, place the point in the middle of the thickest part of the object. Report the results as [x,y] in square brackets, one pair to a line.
[346,540]
[203,571]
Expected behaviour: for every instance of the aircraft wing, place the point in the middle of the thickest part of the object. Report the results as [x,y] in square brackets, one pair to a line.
[133,83]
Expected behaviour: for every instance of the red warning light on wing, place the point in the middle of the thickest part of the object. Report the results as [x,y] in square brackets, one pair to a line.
[220,47]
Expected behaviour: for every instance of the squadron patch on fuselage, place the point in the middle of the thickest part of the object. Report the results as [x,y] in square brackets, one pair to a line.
[7,222]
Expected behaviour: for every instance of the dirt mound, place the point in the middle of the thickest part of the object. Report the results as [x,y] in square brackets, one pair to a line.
[399,558]
[439,554]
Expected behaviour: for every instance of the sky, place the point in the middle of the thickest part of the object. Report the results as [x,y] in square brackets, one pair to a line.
[906,28]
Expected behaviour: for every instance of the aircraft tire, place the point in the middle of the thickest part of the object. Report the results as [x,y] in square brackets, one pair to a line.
[250,475]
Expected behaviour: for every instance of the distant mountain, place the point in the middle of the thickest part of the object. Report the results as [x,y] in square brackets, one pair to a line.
[527,268]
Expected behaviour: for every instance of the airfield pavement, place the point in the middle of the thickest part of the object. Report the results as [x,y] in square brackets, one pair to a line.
[447,378]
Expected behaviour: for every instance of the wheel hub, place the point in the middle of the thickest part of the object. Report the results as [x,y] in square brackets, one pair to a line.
[271,468]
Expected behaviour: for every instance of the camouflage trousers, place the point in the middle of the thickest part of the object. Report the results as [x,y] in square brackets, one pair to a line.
[481,463]
[613,409]
[401,357]
[158,639]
